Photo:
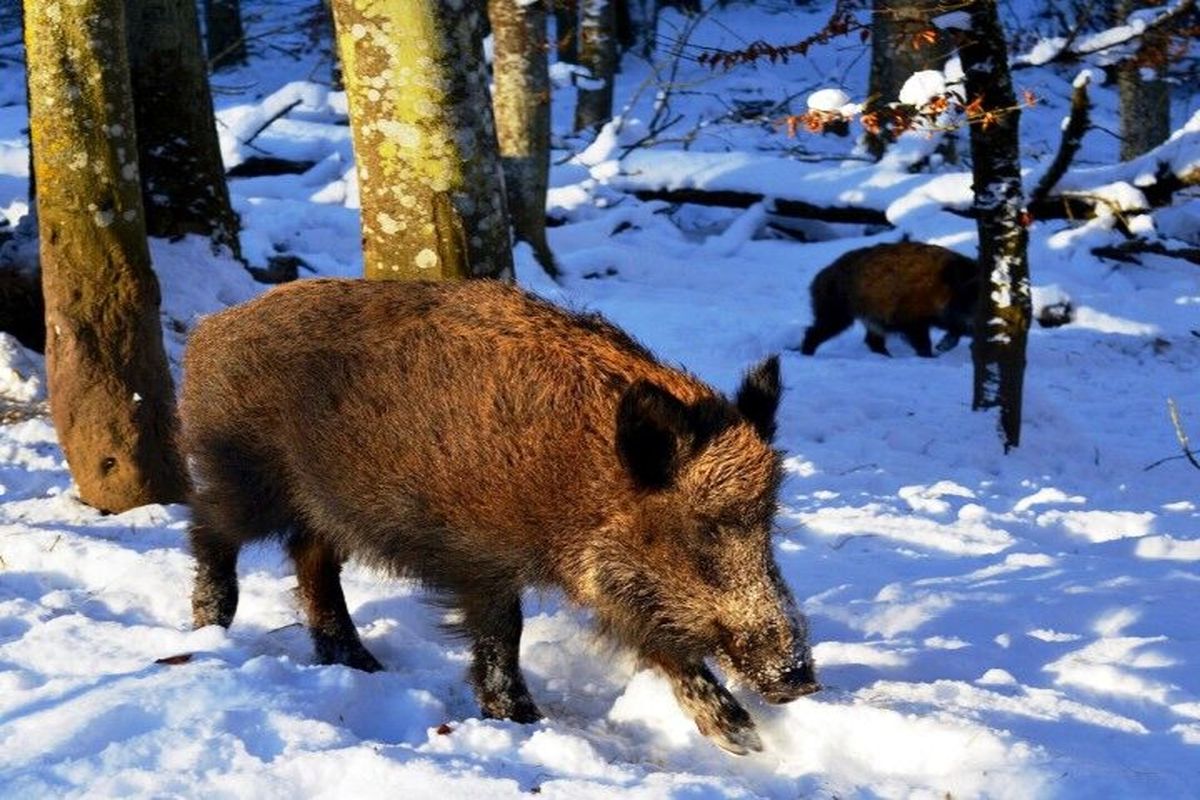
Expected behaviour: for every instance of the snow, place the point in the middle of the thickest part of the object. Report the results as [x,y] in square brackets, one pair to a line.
[985,625]
[923,86]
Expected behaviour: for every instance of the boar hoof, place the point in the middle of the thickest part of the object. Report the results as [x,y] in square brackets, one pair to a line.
[738,738]
[355,656]
[522,710]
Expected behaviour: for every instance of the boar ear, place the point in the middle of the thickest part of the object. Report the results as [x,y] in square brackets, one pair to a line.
[652,425]
[758,397]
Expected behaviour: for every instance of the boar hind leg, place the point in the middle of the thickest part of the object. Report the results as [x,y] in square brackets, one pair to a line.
[918,336]
[318,571]
[494,623]
[215,594]
[877,342]
[718,715]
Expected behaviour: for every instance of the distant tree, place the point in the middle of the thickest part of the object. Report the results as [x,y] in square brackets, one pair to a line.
[111,396]
[224,34]
[637,23]
[521,99]
[566,30]
[597,52]
[1002,321]
[430,185]
[1145,99]
[179,156]
[900,47]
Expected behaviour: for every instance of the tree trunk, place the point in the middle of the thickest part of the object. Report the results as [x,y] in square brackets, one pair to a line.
[1144,94]
[429,175]
[597,52]
[566,30]
[521,98]
[1002,321]
[224,35]
[110,392]
[640,17]
[179,155]
[897,52]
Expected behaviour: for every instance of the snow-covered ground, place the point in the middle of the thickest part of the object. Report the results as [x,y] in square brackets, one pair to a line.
[1010,626]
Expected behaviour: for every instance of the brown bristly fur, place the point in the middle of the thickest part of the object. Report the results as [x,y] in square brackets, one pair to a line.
[904,287]
[484,441]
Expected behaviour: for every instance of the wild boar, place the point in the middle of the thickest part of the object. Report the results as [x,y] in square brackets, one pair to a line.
[484,441]
[904,287]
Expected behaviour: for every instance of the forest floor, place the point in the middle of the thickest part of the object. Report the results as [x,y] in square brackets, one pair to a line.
[1010,626]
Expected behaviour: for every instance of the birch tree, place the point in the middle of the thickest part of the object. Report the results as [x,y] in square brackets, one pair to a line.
[598,53]
[110,392]
[179,156]
[521,99]
[430,185]
[224,34]
[1002,322]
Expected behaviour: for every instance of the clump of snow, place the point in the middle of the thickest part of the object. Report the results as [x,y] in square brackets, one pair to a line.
[923,86]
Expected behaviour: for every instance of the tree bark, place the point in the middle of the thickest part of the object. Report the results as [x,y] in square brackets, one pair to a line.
[179,155]
[429,175]
[597,52]
[566,30]
[897,52]
[1144,94]
[521,98]
[224,34]
[1002,320]
[111,396]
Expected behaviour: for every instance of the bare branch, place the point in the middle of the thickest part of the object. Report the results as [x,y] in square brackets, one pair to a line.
[1072,138]
[1181,434]
[1067,53]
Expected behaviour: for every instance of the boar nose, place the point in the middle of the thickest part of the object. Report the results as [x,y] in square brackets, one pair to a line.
[793,683]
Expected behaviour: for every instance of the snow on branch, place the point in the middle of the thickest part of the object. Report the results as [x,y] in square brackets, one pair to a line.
[1070,48]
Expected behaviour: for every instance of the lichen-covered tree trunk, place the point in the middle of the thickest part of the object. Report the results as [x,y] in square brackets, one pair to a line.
[898,50]
[521,99]
[430,185]
[224,35]
[597,52]
[1002,321]
[110,392]
[1144,93]
[179,156]
[566,30]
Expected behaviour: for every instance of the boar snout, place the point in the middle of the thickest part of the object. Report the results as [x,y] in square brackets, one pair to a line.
[796,681]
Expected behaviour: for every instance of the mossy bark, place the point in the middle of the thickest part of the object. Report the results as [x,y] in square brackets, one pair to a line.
[1002,319]
[521,101]
[179,155]
[111,396]
[429,178]
[597,52]
[224,35]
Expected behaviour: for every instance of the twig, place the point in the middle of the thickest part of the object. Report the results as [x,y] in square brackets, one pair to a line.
[1181,434]
[270,121]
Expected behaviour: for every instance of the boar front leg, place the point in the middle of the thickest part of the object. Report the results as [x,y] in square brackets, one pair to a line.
[318,571]
[717,714]
[494,622]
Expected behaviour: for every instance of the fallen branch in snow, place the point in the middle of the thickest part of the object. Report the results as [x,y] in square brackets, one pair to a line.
[1072,137]
[779,206]
[1128,251]
[282,112]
